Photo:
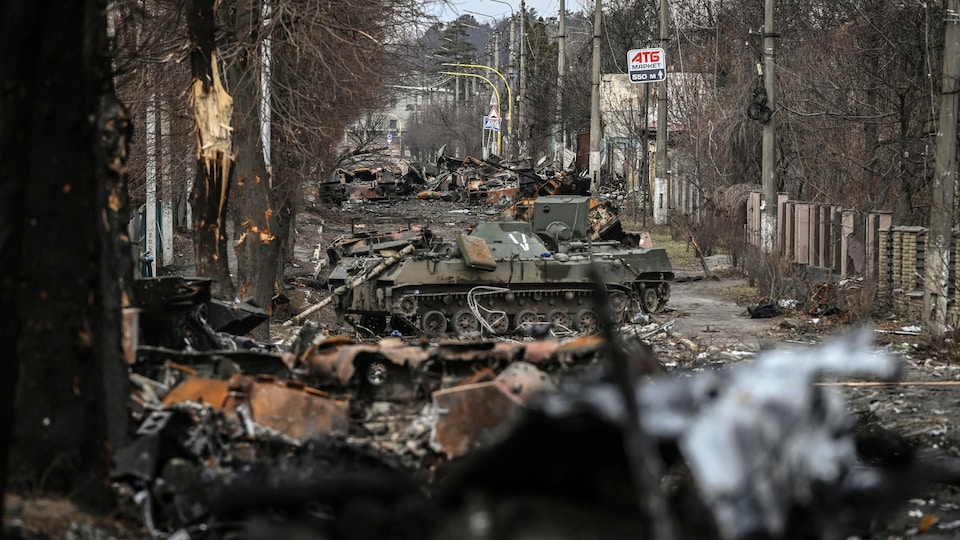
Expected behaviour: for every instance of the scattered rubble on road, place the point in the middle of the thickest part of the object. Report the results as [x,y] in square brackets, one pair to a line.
[410,438]
[209,404]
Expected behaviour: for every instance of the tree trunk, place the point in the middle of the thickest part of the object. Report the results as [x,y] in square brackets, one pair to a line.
[871,129]
[212,112]
[257,244]
[65,175]
[943,187]
[14,108]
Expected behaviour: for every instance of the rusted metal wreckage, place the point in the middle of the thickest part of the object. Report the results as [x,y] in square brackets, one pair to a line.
[470,180]
[187,359]
[343,439]
[219,400]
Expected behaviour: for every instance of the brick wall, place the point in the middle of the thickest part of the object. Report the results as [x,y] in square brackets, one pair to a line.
[903,252]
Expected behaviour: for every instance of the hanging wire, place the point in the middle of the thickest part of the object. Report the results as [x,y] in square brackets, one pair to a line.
[481,312]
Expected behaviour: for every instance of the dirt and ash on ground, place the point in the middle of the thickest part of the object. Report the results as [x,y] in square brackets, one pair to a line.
[706,326]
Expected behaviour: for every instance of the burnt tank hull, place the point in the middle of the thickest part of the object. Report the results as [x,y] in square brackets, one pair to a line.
[501,278]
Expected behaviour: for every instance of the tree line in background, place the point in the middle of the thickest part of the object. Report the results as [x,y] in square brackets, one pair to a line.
[858,84]
[284,76]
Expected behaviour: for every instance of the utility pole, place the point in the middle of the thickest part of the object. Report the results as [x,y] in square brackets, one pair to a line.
[662,180]
[937,273]
[643,197]
[768,217]
[522,109]
[595,105]
[560,139]
[513,79]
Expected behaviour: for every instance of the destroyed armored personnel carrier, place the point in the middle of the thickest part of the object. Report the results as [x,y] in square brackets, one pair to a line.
[501,277]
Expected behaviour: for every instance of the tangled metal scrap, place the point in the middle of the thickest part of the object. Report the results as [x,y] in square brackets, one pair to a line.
[494,439]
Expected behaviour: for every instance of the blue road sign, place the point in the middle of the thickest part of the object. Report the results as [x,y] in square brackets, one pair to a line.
[491,123]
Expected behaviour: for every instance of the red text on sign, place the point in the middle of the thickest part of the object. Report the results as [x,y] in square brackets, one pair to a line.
[646,57]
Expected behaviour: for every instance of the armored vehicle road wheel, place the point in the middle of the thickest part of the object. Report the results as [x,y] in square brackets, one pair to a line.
[498,321]
[407,306]
[465,323]
[375,323]
[434,323]
[619,303]
[649,299]
[664,295]
[525,317]
[587,321]
[558,317]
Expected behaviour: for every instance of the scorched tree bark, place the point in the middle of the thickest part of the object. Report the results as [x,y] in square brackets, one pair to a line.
[257,244]
[212,111]
[66,258]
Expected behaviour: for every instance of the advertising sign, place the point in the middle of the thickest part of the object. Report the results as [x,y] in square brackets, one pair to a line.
[646,65]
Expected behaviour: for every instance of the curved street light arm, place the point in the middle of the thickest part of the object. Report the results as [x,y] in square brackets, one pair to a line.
[505,83]
[495,91]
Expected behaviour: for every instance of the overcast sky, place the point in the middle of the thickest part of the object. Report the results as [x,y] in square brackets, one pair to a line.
[452,9]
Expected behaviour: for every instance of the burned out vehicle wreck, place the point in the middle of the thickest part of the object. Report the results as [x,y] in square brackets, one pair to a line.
[214,409]
[469,180]
[503,277]
[333,438]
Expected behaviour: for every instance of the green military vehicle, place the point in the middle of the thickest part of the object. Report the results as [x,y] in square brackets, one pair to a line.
[502,277]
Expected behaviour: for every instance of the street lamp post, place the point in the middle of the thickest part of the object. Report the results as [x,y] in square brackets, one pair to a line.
[518,64]
[496,92]
[595,134]
[512,38]
[496,36]
[509,94]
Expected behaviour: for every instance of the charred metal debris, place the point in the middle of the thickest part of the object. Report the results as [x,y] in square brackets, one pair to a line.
[214,408]
[326,437]
[469,180]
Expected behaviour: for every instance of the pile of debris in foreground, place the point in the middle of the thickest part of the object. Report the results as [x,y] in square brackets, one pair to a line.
[329,438]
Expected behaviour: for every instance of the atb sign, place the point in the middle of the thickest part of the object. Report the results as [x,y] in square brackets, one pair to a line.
[646,65]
